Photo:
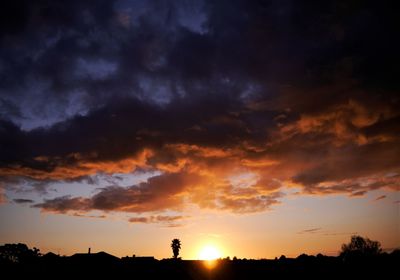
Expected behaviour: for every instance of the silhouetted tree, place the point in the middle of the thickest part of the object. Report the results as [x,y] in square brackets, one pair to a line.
[176,246]
[360,246]
[18,253]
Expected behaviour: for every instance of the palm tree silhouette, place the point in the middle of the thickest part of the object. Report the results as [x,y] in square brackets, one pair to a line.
[176,246]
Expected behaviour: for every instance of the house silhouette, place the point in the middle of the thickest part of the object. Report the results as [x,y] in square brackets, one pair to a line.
[100,257]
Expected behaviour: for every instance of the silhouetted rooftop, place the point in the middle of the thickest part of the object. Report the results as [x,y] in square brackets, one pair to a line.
[99,255]
[50,255]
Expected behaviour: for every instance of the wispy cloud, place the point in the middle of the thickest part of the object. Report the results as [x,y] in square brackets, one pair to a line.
[310,230]
[380,198]
[168,221]
[333,233]
[90,216]
[320,231]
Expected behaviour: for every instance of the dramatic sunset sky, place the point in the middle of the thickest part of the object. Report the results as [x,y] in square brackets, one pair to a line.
[258,127]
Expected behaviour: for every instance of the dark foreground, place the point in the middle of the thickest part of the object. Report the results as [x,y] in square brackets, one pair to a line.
[95,266]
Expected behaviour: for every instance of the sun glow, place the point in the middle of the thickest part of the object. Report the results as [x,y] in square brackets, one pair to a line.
[209,253]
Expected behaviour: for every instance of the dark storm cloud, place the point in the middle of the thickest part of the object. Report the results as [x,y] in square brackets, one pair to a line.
[120,130]
[361,161]
[298,94]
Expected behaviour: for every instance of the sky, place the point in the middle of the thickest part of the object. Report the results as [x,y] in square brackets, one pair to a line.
[261,128]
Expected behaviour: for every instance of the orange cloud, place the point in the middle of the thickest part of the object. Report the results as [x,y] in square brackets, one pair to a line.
[356,187]
[79,169]
[345,147]
[168,191]
[343,121]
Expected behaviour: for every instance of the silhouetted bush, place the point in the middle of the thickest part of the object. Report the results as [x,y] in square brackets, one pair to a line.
[18,253]
[359,247]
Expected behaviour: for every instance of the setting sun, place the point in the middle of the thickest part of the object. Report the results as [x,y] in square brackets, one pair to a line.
[209,253]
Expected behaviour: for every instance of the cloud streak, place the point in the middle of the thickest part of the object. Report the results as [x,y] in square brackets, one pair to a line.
[169,221]
[380,198]
[310,230]
[23,201]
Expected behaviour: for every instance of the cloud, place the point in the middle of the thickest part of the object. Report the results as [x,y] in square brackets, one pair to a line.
[310,230]
[287,92]
[340,233]
[23,200]
[64,204]
[169,221]
[380,198]
[354,186]
[159,192]
[90,216]
[320,231]
[168,191]
[250,204]
[3,197]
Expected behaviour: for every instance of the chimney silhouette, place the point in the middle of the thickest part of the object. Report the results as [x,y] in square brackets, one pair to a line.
[89,251]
